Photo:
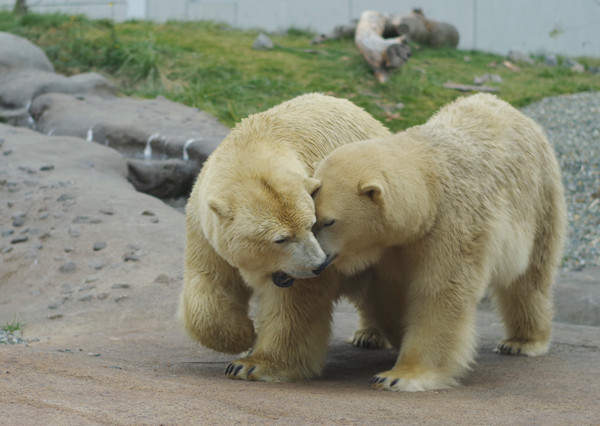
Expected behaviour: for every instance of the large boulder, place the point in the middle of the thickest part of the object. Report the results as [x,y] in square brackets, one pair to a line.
[142,128]
[19,88]
[18,53]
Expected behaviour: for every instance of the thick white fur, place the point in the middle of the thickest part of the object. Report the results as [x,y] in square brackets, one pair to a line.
[250,215]
[471,199]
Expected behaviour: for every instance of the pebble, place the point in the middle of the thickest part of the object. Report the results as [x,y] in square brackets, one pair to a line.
[86,220]
[65,197]
[131,258]
[96,265]
[56,304]
[19,239]
[74,231]
[47,167]
[87,287]
[102,296]
[67,268]
[86,298]
[119,286]
[99,245]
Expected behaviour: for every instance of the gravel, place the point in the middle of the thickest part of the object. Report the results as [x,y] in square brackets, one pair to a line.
[572,123]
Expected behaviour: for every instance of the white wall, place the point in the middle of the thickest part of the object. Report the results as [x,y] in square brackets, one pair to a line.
[488,25]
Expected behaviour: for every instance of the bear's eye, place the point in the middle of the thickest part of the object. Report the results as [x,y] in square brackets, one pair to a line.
[329,222]
[280,240]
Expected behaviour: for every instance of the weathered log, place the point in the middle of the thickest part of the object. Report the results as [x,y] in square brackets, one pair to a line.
[418,29]
[383,55]
[424,31]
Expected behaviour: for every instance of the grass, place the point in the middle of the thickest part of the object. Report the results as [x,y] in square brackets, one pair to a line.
[212,66]
[11,327]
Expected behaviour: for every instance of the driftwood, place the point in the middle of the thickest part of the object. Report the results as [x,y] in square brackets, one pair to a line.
[383,55]
[418,28]
[424,31]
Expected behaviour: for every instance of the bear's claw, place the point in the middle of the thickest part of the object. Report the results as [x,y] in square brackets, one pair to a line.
[370,338]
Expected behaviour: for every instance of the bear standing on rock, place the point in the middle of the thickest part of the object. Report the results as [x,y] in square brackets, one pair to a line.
[249,231]
[473,198]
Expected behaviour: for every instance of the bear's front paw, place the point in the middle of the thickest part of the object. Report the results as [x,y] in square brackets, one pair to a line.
[260,370]
[370,338]
[405,381]
[516,347]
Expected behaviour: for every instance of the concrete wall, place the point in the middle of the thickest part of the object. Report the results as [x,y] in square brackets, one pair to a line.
[537,26]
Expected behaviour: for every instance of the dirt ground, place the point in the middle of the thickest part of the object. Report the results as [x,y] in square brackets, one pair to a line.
[94,269]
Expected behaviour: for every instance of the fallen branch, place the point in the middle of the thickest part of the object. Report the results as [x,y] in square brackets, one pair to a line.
[470,88]
[418,29]
[383,55]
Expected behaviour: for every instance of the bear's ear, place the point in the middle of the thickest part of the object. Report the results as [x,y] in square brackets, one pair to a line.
[312,184]
[220,207]
[372,189]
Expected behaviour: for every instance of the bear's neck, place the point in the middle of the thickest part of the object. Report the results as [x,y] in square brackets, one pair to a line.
[413,193]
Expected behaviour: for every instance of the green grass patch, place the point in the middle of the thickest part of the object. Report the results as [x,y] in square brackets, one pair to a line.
[12,326]
[213,67]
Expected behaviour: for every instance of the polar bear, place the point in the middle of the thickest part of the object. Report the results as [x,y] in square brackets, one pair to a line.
[440,211]
[249,219]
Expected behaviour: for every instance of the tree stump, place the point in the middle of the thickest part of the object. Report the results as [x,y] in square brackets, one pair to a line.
[383,55]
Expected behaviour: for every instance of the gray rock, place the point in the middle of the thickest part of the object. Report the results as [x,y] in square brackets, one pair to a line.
[17,53]
[551,60]
[19,88]
[487,77]
[163,179]
[19,239]
[56,304]
[67,268]
[262,42]
[65,197]
[517,55]
[18,220]
[149,129]
[74,231]
[99,245]
[96,265]
[130,257]
[86,298]
[120,286]
[87,220]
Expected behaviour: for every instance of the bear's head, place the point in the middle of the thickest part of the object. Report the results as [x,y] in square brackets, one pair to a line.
[262,225]
[369,200]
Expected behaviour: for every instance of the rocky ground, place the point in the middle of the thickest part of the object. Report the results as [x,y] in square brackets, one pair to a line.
[94,268]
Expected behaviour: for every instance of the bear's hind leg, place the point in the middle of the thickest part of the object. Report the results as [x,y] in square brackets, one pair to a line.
[526,309]
[526,304]
[359,290]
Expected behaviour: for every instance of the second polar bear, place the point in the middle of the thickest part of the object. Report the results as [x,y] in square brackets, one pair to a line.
[471,199]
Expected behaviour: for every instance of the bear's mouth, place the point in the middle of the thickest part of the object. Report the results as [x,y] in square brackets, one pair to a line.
[281,279]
